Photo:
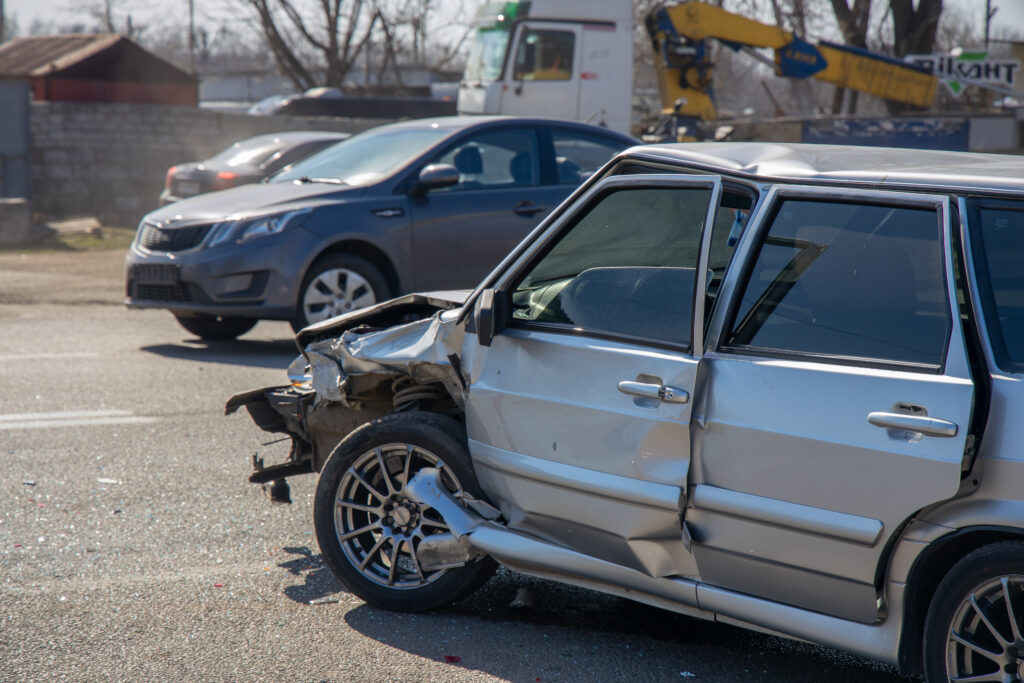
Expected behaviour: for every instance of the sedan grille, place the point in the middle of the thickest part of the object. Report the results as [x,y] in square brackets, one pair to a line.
[174,239]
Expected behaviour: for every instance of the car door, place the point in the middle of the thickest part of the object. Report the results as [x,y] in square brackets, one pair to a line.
[543,70]
[838,397]
[460,233]
[578,411]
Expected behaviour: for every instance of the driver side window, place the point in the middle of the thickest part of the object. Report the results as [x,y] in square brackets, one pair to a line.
[627,268]
[494,160]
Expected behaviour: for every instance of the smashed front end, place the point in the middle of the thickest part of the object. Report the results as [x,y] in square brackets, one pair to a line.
[395,356]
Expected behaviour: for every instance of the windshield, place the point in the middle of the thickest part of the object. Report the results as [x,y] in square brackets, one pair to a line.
[487,54]
[250,152]
[365,158]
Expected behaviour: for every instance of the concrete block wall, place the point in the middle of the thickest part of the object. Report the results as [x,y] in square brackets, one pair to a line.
[110,160]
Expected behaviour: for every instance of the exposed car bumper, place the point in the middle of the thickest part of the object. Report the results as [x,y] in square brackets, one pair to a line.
[345,391]
[254,280]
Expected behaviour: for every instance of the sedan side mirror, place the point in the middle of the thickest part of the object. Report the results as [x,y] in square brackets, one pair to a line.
[436,176]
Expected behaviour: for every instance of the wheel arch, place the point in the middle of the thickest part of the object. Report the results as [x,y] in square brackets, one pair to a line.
[927,571]
[372,253]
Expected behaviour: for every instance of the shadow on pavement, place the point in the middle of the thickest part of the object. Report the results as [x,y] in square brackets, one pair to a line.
[576,629]
[319,581]
[251,353]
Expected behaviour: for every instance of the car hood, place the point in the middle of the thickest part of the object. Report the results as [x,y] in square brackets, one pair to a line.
[248,200]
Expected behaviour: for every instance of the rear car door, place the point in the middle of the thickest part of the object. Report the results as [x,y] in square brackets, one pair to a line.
[839,397]
[578,412]
[460,233]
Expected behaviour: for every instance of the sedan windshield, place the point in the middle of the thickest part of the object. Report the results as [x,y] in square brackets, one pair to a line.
[250,152]
[365,158]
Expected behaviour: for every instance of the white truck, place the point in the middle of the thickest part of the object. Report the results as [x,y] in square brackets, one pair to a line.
[566,58]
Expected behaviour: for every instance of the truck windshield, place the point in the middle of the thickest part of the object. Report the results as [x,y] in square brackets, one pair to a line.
[487,54]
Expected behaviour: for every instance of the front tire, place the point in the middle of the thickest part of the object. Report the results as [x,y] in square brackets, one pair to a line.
[368,531]
[215,327]
[337,284]
[975,622]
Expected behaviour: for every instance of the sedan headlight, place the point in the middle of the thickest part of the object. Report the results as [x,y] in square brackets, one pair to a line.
[254,228]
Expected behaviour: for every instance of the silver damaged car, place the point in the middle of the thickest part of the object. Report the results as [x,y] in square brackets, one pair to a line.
[770,385]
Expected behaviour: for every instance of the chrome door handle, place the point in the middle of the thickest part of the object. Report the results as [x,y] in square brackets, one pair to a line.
[929,426]
[658,392]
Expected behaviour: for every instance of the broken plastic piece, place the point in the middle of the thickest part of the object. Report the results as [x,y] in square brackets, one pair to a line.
[452,659]
[29,482]
[106,480]
[323,601]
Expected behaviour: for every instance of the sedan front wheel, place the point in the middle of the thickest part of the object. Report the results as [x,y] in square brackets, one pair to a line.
[338,284]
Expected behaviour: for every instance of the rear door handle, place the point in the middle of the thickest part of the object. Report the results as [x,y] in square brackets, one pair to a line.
[528,208]
[929,426]
[659,392]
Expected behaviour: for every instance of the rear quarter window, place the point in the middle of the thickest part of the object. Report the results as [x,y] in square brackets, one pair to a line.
[997,234]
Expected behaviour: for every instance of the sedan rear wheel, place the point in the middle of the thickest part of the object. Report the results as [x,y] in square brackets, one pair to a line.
[976,620]
[338,284]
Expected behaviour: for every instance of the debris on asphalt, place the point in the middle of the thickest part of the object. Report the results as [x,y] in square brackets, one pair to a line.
[452,659]
[524,598]
[106,480]
[29,482]
[323,601]
[17,545]
[687,674]
[218,585]
[115,512]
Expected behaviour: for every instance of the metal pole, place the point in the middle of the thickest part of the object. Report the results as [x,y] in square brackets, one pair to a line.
[191,37]
[988,20]
[3,26]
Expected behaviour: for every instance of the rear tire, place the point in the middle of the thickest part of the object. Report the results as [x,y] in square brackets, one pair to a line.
[216,327]
[976,618]
[368,530]
[337,284]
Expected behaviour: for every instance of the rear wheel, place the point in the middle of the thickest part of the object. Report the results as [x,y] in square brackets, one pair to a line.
[975,623]
[369,530]
[215,327]
[338,284]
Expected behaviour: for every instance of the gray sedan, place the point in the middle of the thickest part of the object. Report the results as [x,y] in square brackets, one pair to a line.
[427,204]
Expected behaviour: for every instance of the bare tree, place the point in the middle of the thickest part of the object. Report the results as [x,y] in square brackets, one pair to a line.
[316,47]
[914,29]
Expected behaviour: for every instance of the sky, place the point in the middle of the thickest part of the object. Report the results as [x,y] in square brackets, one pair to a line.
[1009,12]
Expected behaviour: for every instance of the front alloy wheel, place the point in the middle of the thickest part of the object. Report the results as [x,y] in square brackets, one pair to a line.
[980,608]
[370,531]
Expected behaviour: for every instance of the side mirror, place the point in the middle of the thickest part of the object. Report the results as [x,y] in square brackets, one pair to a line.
[484,318]
[436,176]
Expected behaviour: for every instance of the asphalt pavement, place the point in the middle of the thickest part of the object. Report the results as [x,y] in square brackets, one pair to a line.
[132,548]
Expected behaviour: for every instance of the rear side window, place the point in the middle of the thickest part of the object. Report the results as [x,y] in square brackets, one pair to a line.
[998,239]
[845,280]
[579,155]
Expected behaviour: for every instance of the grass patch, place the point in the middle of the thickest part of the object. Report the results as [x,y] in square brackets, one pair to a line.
[103,239]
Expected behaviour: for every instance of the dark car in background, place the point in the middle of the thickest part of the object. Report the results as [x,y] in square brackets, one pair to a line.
[429,204]
[244,162]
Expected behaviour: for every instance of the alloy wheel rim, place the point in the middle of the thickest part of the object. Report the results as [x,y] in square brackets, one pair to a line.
[985,641]
[335,292]
[378,527]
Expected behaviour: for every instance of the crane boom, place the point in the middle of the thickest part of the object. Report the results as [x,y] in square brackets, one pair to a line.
[679,33]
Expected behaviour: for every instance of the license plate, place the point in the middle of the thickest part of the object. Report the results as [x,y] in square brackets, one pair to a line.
[187,188]
[155,274]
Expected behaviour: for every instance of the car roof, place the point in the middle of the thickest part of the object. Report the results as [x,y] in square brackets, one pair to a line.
[289,137]
[888,167]
[454,123]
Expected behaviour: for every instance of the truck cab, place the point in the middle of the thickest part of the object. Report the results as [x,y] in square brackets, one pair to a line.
[561,58]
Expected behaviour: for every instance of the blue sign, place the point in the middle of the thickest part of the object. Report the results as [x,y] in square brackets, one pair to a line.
[799,59]
[947,134]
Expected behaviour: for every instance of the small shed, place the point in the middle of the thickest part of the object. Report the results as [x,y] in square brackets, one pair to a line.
[103,67]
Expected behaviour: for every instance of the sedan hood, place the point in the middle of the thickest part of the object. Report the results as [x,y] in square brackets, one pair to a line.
[247,200]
